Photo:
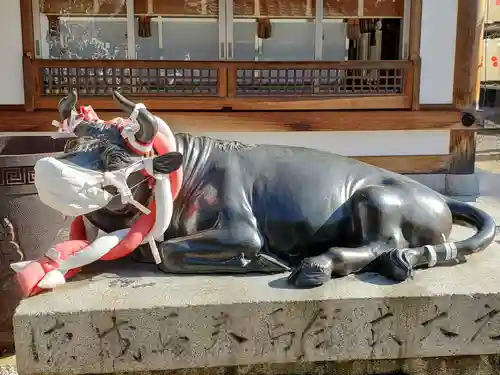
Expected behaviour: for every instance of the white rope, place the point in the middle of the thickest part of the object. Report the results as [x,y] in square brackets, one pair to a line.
[432,255]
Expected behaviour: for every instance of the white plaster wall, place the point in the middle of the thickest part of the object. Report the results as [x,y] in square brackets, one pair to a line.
[352,143]
[347,143]
[437,50]
[11,66]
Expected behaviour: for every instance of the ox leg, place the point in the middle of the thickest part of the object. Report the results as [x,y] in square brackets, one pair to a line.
[376,226]
[235,250]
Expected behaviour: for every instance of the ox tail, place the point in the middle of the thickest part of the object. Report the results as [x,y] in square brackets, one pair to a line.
[484,224]
[399,264]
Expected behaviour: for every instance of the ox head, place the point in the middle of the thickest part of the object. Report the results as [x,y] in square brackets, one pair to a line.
[86,177]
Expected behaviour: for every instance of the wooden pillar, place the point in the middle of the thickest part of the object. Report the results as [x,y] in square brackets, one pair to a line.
[28,53]
[468,59]
[414,49]
[469,44]
[462,152]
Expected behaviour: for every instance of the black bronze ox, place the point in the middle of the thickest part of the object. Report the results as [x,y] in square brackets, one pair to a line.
[271,209]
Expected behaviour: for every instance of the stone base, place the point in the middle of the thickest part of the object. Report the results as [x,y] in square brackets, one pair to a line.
[451,184]
[436,182]
[475,365]
[465,365]
[138,319]
[465,185]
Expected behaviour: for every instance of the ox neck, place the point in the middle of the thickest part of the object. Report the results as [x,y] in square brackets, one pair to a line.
[196,152]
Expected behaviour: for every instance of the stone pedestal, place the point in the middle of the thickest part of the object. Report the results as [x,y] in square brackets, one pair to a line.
[137,319]
[27,227]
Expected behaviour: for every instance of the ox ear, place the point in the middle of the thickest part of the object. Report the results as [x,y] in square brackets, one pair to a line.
[167,163]
[67,104]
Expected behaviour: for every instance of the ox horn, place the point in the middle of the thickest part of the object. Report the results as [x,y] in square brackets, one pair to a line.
[148,127]
[67,104]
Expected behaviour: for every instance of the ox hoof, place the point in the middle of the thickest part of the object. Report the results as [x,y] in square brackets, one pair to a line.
[394,264]
[312,272]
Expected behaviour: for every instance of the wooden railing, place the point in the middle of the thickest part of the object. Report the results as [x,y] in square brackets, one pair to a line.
[198,85]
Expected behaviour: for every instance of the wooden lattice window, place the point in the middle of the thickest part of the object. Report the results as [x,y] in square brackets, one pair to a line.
[262,82]
[101,81]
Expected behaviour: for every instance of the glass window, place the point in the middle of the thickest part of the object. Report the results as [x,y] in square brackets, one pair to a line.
[179,30]
[84,29]
[242,30]
[245,39]
[371,32]
[273,30]
[291,40]
[193,39]
[180,39]
[83,38]
[334,40]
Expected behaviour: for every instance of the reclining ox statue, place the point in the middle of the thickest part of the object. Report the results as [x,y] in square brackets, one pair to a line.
[257,208]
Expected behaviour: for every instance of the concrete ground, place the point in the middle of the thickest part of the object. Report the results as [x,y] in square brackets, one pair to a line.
[488,149]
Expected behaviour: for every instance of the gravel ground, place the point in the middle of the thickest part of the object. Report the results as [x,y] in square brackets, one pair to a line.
[8,370]
[8,366]
[488,145]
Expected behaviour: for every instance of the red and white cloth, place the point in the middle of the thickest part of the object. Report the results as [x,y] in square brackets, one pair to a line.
[65,259]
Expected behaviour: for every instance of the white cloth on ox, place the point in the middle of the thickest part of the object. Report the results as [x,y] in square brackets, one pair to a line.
[94,251]
[75,191]
[68,188]
[88,255]
[160,191]
[164,211]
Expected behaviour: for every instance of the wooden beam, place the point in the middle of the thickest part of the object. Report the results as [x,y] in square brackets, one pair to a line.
[11,107]
[462,152]
[247,104]
[437,107]
[470,28]
[261,121]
